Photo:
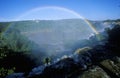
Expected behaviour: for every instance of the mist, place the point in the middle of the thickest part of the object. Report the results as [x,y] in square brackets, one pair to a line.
[54,38]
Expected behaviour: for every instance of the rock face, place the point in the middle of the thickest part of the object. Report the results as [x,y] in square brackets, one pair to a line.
[95,72]
[112,66]
[86,62]
[58,70]
[16,75]
[36,71]
[68,67]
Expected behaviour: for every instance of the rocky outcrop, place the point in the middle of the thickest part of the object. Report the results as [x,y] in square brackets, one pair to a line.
[95,72]
[16,75]
[84,63]
[112,66]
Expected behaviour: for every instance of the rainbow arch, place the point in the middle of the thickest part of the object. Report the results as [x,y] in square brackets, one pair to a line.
[58,8]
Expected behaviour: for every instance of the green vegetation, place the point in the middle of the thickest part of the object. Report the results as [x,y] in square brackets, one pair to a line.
[4,72]
[14,51]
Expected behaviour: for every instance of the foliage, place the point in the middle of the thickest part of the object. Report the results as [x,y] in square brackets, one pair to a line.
[4,72]
[14,51]
[3,53]
[17,42]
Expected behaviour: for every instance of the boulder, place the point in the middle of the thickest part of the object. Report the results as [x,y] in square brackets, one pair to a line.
[16,75]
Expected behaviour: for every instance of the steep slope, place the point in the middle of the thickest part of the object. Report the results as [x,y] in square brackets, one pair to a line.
[101,60]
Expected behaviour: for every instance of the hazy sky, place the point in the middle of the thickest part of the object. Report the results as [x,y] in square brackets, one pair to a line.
[91,9]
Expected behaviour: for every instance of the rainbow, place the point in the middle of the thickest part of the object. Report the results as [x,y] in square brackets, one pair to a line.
[62,9]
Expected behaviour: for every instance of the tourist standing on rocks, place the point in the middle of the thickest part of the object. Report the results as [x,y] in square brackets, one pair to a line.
[47,61]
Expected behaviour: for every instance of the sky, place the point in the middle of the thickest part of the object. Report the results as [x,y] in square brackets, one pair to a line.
[90,9]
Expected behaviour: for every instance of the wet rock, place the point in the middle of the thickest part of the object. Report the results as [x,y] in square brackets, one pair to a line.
[16,75]
[78,65]
[37,70]
[112,65]
[95,72]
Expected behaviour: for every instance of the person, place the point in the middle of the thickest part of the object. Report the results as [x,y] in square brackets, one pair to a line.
[47,61]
